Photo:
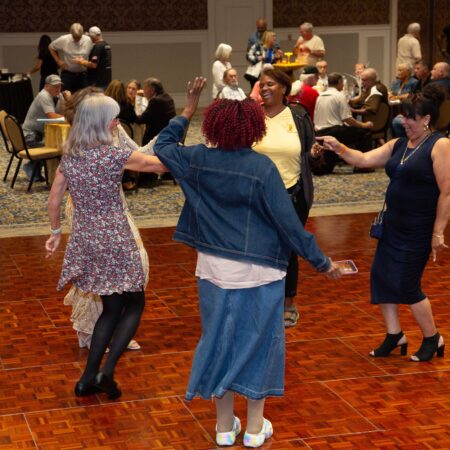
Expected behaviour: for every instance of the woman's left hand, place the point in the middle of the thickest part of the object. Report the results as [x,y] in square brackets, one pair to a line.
[437,246]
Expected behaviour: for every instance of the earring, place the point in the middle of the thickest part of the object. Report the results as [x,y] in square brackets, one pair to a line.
[426,127]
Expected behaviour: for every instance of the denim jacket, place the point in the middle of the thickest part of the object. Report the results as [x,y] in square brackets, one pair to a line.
[236,204]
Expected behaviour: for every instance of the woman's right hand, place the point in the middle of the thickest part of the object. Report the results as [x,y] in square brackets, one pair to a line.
[193,93]
[330,143]
[52,244]
[334,272]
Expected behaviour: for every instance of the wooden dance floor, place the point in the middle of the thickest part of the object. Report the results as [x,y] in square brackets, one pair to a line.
[337,397]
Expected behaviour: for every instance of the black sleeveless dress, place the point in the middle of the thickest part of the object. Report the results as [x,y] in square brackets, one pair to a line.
[404,249]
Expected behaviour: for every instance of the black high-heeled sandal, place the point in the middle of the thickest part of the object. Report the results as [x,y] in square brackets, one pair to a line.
[430,346]
[389,344]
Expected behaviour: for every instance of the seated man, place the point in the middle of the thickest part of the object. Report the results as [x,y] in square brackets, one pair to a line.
[231,91]
[322,82]
[159,111]
[422,73]
[440,74]
[303,90]
[49,103]
[332,117]
[404,83]
[373,94]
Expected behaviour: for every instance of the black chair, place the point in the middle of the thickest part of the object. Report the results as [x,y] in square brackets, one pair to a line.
[3,114]
[21,151]
[381,121]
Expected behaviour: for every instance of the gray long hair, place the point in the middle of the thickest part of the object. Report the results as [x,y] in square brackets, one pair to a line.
[91,124]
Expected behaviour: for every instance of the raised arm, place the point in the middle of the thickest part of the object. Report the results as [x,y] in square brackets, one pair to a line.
[375,158]
[140,162]
[441,167]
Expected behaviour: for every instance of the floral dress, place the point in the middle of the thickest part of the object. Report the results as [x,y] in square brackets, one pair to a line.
[102,255]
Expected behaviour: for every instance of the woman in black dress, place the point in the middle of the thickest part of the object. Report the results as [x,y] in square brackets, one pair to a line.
[44,61]
[417,212]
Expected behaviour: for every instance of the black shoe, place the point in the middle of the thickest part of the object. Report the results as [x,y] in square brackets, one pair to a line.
[360,170]
[83,389]
[430,346]
[390,343]
[107,385]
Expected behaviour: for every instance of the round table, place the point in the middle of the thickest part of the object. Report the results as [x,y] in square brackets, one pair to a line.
[288,68]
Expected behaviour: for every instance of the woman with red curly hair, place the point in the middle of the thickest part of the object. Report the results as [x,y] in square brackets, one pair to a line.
[239,218]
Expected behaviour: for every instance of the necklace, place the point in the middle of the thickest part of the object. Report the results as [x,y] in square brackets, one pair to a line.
[405,158]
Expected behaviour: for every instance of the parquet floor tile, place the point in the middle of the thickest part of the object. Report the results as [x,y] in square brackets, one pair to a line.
[419,400]
[337,397]
[173,275]
[14,433]
[182,301]
[332,320]
[327,359]
[176,334]
[40,388]
[149,424]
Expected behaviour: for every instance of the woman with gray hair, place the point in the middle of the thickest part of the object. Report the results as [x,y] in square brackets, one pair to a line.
[222,63]
[102,255]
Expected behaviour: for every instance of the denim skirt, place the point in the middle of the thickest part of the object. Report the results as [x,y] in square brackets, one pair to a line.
[242,347]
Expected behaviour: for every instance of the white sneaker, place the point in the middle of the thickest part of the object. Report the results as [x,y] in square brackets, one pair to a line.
[256,440]
[229,437]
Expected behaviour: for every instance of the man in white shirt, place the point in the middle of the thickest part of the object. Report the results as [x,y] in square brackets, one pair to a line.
[333,117]
[231,91]
[408,46]
[322,82]
[67,50]
[309,48]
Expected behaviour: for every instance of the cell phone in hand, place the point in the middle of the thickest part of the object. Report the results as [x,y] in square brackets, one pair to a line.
[347,267]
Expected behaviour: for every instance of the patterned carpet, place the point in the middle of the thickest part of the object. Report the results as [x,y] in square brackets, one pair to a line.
[23,213]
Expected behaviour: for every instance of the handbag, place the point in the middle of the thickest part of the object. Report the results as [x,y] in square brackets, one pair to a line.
[253,70]
[376,229]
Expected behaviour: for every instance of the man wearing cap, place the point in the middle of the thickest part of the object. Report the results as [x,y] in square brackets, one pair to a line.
[99,62]
[48,104]
[66,50]
[303,90]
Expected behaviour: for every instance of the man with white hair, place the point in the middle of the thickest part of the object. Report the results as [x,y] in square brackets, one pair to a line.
[99,62]
[408,47]
[309,48]
[373,94]
[303,91]
[66,50]
[231,90]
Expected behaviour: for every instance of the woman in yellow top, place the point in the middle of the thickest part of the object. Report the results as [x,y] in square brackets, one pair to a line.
[288,143]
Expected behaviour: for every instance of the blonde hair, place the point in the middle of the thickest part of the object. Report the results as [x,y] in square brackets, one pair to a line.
[266,36]
[91,124]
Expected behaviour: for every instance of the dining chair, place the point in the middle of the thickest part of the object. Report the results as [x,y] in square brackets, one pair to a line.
[3,114]
[380,121]
[443,124]
[21,151]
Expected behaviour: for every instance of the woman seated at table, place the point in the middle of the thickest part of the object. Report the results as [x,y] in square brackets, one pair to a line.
[138,101]
[116,90]
[404,83]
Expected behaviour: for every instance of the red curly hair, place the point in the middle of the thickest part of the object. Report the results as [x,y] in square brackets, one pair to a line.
[233,124]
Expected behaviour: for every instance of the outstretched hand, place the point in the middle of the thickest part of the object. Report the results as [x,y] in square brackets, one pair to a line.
[194,90]
[334,272]
[330,143]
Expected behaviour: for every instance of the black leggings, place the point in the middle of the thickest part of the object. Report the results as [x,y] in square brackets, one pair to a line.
[115,327]
[299,202]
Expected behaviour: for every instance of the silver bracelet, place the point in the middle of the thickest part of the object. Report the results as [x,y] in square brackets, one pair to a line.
[57,231]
